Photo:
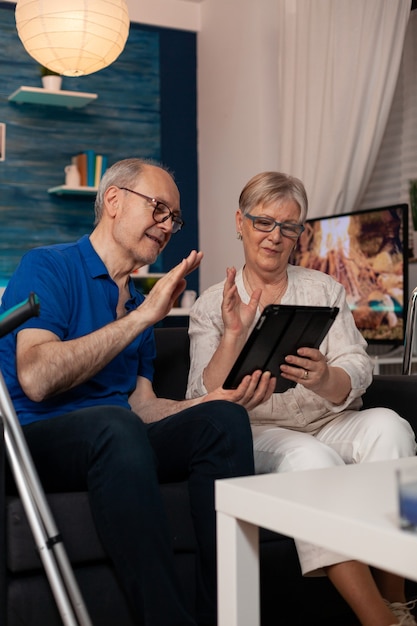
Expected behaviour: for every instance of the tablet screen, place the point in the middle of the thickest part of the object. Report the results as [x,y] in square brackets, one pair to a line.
[280,331]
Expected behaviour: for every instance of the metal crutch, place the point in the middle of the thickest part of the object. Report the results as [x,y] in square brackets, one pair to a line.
[409,333]
[47,538]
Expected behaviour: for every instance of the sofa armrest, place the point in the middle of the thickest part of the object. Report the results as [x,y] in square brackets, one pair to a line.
[397,392]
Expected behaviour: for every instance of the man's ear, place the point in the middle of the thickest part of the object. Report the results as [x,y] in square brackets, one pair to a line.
[111,200]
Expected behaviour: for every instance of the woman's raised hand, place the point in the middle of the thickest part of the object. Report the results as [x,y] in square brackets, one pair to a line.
[237,316]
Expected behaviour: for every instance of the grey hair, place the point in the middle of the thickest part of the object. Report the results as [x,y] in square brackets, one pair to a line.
[124,173]
[269,187]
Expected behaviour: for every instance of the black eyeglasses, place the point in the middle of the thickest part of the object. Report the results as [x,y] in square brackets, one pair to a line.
[161,211]
[268,224]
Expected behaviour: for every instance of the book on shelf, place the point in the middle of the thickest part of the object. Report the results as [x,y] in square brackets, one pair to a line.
[100,168]
[97,169]
[91,167]
[80,161]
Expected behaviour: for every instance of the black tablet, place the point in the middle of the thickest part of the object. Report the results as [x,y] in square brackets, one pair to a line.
[280,331]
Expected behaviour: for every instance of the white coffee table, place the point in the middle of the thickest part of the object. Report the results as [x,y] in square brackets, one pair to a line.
[352,510]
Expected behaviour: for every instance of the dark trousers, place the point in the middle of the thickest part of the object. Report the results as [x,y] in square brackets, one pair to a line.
[111,453]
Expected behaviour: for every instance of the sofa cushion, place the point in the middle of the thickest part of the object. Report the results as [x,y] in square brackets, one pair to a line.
[72,515]
[71,512]
[395,391]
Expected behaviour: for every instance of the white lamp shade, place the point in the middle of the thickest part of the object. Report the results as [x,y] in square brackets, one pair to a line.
[73,37]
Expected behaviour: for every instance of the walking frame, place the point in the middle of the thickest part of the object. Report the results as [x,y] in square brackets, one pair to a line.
[45,533]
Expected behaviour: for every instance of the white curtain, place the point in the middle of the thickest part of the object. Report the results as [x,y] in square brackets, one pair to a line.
[338,66]
[396,163]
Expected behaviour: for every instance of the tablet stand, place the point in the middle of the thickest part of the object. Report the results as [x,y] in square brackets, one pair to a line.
[47,538]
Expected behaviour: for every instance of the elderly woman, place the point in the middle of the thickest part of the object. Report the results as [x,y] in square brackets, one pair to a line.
[318,422]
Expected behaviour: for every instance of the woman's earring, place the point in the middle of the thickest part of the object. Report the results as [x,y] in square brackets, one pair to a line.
[239,236]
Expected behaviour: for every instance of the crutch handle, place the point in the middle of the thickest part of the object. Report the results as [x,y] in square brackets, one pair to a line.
[18,314]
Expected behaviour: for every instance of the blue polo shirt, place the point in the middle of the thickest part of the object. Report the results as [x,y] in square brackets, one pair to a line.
[77,296]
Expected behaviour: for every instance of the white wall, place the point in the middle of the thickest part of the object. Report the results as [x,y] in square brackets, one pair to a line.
[182,14]
[236,119]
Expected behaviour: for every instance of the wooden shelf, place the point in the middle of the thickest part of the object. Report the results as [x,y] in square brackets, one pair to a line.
[39,95]
[64,190]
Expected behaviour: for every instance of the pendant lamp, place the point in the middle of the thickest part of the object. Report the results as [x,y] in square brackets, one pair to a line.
[73,37]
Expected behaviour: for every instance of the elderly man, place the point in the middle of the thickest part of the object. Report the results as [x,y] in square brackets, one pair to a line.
[80,377]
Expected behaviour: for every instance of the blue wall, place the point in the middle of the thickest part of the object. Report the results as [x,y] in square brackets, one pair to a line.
[146,107]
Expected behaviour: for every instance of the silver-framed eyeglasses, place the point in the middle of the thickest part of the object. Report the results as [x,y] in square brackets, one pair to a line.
[268,224]
[161,211]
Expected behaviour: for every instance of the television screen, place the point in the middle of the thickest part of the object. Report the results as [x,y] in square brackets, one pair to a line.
[367,252]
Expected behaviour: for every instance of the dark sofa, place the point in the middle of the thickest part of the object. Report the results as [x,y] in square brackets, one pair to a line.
[287,599]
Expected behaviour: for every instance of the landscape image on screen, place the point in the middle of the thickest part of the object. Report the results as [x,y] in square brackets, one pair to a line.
[366,252]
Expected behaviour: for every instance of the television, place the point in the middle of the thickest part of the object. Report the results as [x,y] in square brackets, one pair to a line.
[367,252]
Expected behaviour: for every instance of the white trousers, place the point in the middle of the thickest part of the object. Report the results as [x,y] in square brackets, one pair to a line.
[352,437]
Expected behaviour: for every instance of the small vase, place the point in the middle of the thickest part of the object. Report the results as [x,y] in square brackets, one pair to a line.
[52,82]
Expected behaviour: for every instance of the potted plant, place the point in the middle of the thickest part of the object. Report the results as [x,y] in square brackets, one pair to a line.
[50,80]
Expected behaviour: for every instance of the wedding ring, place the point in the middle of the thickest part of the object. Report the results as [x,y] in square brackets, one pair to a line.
[305,375]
